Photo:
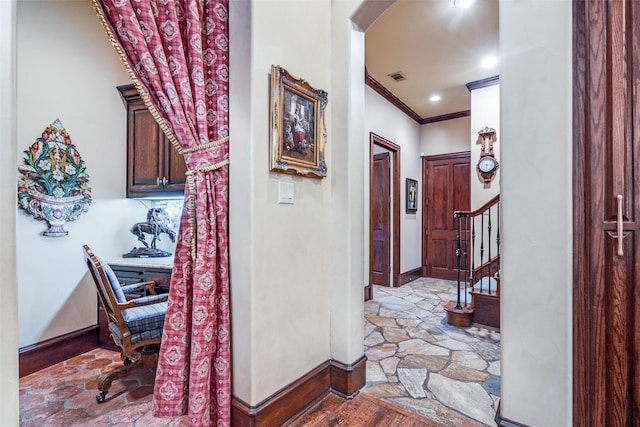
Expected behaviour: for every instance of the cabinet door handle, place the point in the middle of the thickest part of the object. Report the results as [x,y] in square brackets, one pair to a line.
[158,181]
[620,225]
[165,181]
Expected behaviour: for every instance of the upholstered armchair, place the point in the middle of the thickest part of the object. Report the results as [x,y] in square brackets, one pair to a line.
[135,325]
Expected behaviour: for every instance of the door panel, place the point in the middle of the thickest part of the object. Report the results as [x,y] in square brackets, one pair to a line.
[175,168]
[440,260]
[606,350]
[461,193]
[447,180]
[144,163]
[381,220]
[440,185]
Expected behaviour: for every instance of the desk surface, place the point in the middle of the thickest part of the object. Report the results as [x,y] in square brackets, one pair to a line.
[151,262]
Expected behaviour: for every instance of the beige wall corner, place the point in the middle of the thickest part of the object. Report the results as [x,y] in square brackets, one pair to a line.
[8,290]
[348,214]
[280,253]
[241,207]
[485,112]
[536,165]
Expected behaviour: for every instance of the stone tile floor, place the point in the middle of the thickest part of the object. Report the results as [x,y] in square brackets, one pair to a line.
[420,363]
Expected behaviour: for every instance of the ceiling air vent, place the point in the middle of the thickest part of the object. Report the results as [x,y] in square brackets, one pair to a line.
[397,76]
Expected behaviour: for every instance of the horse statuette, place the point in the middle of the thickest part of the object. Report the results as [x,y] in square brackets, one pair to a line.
[156,224]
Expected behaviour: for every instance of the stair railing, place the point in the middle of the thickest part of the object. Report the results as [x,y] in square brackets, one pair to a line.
[478,226]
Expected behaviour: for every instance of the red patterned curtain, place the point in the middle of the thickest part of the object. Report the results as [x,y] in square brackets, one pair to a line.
[177,55]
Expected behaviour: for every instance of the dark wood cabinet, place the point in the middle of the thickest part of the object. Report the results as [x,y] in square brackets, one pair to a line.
[154,166]
[128,275]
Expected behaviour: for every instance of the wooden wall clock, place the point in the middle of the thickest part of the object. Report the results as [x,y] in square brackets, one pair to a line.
[487,164]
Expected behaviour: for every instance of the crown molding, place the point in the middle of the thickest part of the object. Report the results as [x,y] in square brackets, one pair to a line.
[478,84]
[384,92]
[450,116]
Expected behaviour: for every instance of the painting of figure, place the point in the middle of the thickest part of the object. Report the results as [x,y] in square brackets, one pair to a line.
[298,118]
[412,195]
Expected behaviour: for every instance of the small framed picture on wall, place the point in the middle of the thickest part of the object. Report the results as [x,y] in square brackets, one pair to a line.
[412,195]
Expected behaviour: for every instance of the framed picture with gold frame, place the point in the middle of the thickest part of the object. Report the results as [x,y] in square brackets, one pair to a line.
[298,133]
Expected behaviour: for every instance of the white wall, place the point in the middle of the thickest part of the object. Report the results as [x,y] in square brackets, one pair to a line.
[447,136]
[241,207]
[349,236]
[8,289]
[485,112]
[536,100]
[385,120]
[285,320]
[69,71]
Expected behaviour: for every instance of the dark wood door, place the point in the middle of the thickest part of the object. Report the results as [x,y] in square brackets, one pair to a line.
[381,220]
[606,303]
[447,180]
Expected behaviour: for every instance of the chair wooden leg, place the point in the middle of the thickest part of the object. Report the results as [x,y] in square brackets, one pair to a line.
[145,358]
[122,371]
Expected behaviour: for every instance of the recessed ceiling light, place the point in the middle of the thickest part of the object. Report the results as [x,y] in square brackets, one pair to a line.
[463,4]
[435,98]
[489,61]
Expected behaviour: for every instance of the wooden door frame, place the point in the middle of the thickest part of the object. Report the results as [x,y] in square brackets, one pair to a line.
[375,139]
[582,341]
[425,177]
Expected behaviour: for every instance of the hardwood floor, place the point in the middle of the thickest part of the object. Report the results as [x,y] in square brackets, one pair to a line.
[364,411]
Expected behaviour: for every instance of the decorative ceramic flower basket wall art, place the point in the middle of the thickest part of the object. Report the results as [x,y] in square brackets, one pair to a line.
[54,186]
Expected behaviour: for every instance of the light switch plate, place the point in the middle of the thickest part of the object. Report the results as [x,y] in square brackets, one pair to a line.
[285,192]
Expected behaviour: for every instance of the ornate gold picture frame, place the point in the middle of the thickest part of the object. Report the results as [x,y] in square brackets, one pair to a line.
[298,132]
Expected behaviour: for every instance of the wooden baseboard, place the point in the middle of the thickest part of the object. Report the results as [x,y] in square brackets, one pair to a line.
[410,276]
[285,403]
[344,380]
[347,380]
[368,292]
[41,355]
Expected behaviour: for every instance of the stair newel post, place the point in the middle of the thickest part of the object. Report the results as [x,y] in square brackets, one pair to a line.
[458,255]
